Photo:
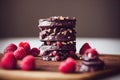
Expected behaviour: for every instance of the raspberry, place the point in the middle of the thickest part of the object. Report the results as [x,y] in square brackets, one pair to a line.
[68,66]
[20,53]
[35,52]
[59,44]
[8,61]
[72,52]
[90,54]
[45,53]
[69,59]
[26,46]
[55,53]
[48,42]
[10,48]
[57,58]
[84,48]
[50,54]
[28,63]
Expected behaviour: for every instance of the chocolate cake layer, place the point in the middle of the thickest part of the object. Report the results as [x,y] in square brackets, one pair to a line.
[52,47]
[60,43]
[57,55]
[57,34]
[64,45]
[58,21]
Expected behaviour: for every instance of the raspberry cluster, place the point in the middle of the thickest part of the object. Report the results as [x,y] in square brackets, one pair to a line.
[23,52]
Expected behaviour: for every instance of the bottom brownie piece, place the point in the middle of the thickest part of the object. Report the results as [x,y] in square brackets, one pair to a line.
[58,55]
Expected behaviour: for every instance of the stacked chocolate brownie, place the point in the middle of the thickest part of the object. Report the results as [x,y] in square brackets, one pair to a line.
[58,36]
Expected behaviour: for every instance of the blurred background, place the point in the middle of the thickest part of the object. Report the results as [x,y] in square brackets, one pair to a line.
[95,18]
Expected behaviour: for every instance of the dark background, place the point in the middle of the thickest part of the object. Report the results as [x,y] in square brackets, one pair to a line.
[95,18]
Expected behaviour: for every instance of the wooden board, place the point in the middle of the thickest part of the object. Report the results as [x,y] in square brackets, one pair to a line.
[48,70]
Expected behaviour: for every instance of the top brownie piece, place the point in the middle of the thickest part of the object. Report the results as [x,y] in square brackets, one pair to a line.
[57,21]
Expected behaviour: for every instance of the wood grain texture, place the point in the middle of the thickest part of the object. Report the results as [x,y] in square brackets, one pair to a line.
[48,70]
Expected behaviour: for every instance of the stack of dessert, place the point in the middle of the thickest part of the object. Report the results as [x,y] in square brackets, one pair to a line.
[58,36]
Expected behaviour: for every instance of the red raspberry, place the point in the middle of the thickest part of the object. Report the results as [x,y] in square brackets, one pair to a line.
[50,54]
[26,46]
[84,48]
[28,63]
[45,53]
[59,44]
[20,53]
[10,48]
[35,52]
[55,53]
[72,52]
[9,61]
[68,66]
[48,42]
[57,58]
[90,54]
